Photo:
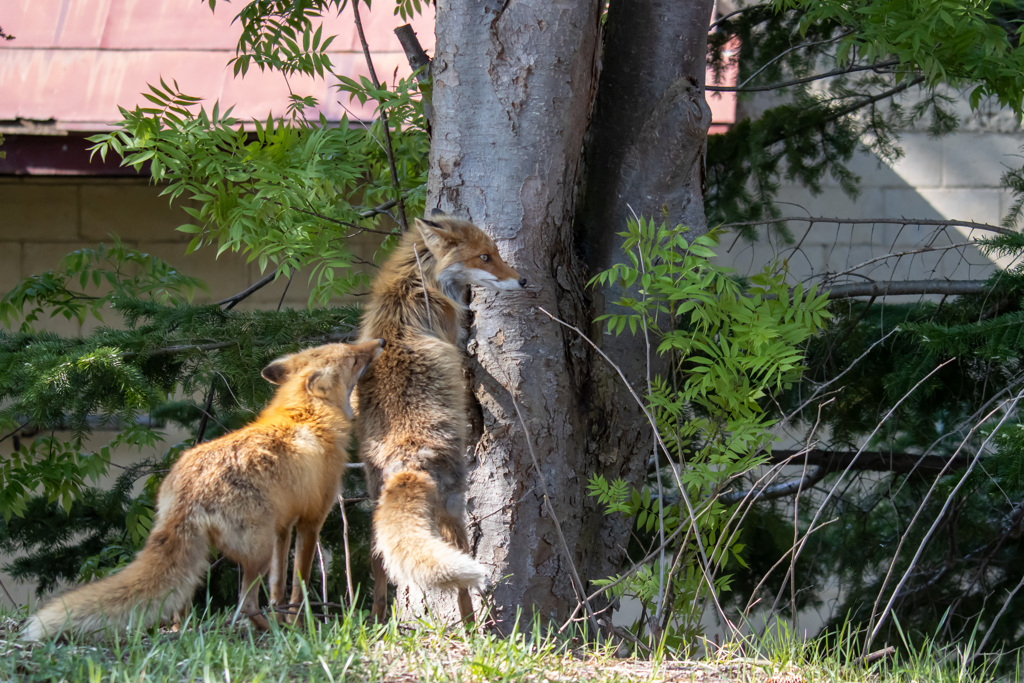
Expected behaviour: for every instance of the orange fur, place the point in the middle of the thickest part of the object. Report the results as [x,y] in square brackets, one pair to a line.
[244,493]
[412,406]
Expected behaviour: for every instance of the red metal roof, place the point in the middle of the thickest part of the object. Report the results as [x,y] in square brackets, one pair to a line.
[74,61]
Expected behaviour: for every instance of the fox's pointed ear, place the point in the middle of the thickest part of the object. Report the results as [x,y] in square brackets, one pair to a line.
[319,383]
[437,214]
[434,234]
[277,372]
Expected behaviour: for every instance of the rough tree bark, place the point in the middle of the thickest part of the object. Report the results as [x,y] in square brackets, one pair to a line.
[515,83]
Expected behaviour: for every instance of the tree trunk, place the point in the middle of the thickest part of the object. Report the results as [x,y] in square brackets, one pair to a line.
[644,157]
[514,86]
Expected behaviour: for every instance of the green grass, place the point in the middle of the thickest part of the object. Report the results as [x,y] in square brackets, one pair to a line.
[353,648]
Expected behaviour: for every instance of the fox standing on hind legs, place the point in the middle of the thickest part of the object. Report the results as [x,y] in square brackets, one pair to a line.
[243,493]
[413,418]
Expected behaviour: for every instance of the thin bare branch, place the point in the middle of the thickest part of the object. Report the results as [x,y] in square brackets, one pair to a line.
[704,564]
[420,63]
[233,301]
[400,202]
[950,497]
[906,288]
[850,465]
[951,223]
[348,554]
[822,387]
[873,461]
[807,79]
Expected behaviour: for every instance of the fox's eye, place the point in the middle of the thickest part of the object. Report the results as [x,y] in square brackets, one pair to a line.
[485,257]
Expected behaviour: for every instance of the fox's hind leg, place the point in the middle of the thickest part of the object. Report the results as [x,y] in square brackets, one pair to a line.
[256,563]
[248,597]
[380,587]
[306,535]
[279,569]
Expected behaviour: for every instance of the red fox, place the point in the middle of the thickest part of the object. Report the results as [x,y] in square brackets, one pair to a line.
[413,418]
[244,493]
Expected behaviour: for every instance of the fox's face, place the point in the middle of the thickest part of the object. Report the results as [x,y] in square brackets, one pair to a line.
[466,255]
[329,372]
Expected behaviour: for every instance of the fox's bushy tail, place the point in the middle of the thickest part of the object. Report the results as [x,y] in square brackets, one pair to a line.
[159,581]
[409,541]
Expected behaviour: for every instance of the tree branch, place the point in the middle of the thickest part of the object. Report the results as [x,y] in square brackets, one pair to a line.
[420,63]
[874,461]
[772,491]
[233,301]
[906,288]
[400,202]
[883,221]
[849,109]
[807,79]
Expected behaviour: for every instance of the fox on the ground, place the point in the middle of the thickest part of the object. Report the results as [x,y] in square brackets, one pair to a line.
[413,420]
[243,493]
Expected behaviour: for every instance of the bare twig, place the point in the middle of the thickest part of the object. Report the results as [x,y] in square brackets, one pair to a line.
[876,461]
[8,594]
[323,571]
[655,633]
[821,388]
[730,15]
[906,288]
[348,555]
[1002,610]
[881,221]
[785,52]
[400,202]
[232,301]
[14,431]
[704,564]
[786,488]
[942,512]
[831,493]
[816,77]
[423,282]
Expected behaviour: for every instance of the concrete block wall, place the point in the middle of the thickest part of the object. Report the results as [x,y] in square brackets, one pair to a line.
[42,219]
[956,177]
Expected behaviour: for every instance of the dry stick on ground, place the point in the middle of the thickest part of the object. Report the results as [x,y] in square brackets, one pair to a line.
[577,584]
[931,530]
[400,202]
[821,507]
[8,594]
[348,555]
[705,564]
[323,571]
